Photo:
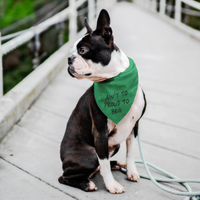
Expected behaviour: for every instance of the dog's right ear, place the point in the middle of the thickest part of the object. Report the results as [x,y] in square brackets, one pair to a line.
[89,30]
[103,26]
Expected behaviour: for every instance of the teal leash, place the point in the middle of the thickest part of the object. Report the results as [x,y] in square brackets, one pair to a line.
[174,179]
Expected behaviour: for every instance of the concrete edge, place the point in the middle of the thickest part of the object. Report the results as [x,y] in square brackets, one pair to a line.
[14,104]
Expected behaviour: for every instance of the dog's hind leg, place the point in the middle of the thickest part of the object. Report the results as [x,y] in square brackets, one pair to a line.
[78,178]
[79,182]
[132,173]
[78,165]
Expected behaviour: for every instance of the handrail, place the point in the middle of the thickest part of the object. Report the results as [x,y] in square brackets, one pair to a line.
[184,11]
[67,13]
[26,35]
[152,5]
[192,3]
[29,34]
[26,19]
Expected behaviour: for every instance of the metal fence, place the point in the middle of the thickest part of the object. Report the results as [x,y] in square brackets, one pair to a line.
[93,7]
[70,13]
[161,7]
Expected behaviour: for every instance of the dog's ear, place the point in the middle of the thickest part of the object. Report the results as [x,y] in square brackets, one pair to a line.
[89,30]
[103,26]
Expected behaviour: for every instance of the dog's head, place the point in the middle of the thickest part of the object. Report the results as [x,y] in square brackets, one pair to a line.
[95,56]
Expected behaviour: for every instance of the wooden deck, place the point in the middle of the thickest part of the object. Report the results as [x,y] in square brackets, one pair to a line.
[168,62]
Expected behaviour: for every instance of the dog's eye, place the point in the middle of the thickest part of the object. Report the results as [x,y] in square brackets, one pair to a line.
[83,50]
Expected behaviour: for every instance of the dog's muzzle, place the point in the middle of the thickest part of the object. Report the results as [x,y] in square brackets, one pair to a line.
[71,69]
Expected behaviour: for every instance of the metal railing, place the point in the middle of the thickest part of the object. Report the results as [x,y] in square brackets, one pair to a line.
[153,5]
[70,13]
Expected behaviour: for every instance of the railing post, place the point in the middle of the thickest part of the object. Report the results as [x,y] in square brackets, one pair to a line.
[72,19]
[91,10]
[60,28]
[153,5]
[1,71]
[162,7]
[37,45]
[178,11]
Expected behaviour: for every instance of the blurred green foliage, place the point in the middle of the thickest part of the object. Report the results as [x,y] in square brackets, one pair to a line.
[15,75]
[12,11]
[18,63]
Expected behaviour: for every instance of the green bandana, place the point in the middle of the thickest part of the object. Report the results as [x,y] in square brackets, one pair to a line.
[115,96]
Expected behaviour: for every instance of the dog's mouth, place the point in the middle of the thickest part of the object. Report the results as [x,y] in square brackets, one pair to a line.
[73,73]
[88,74]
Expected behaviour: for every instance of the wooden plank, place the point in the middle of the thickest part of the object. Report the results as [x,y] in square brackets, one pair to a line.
[39,156]
[18,184]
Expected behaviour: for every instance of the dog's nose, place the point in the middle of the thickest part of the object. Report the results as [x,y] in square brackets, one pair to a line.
[71,59]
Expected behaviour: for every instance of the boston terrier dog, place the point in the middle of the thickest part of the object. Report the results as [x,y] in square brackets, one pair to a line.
[101,120]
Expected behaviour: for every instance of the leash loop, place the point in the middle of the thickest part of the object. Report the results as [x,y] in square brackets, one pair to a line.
[172,178]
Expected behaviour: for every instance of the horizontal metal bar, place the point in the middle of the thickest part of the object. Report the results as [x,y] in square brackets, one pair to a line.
[18,41]
[24,37]
[192,3]
[58,8]
[184,10]
[38,13]
[80,2]
[10,36]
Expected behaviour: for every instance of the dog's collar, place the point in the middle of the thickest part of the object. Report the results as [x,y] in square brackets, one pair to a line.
[115,96]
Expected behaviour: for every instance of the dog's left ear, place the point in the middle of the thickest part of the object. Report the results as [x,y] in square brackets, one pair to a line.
[103,26]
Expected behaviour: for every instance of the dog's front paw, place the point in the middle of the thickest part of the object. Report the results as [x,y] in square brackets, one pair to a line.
[133,175]
[114,187]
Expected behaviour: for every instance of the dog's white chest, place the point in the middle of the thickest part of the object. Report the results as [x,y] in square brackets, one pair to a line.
[125,126]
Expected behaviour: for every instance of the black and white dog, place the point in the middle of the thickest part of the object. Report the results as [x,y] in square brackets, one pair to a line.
[91,138]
